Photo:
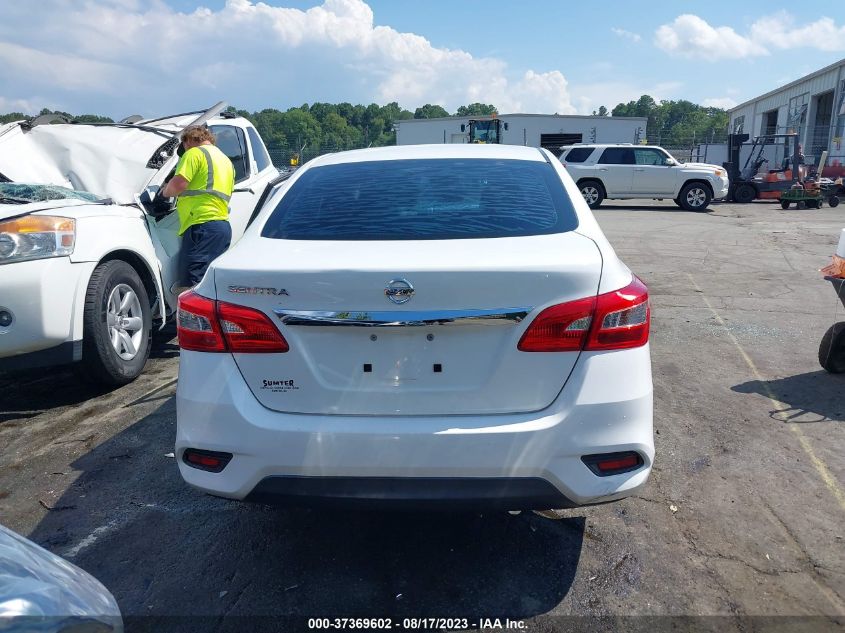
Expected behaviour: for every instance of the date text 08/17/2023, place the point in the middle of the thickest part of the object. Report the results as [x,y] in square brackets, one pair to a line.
[414,624]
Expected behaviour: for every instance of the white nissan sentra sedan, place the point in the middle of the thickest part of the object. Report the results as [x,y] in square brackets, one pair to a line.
[423,325]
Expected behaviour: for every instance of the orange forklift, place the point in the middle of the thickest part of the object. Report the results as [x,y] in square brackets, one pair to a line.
[747,183]
[787,185]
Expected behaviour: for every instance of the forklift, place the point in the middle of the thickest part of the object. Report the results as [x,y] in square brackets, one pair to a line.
[745,184]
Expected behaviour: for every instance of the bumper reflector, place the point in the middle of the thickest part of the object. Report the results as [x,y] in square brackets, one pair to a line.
[212,461]
[607,464]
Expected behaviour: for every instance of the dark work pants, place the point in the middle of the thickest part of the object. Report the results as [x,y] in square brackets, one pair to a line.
[202,243]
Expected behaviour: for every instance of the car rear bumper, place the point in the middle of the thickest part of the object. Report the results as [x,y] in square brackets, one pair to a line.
[517,461]
[414,493]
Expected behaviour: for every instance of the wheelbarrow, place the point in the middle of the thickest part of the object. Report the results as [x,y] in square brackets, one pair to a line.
[832,346]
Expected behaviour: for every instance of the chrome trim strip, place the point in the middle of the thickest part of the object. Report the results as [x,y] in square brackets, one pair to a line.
[501,316]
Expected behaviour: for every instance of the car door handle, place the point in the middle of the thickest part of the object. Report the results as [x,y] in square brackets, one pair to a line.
[602,168]
[639,169]
[244,190]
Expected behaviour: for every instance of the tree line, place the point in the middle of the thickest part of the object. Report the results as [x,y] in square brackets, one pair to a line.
[677,123]
[345,126]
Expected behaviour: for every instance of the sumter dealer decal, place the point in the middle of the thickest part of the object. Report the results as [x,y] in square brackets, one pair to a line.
[279,386]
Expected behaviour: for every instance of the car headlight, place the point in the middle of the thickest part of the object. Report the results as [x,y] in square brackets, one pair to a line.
[36,237]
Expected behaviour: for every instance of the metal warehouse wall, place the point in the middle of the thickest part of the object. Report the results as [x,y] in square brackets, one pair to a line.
[524,129]
[815,134]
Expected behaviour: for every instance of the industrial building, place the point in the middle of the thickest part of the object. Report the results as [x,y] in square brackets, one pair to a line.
[811,106]
[534,130]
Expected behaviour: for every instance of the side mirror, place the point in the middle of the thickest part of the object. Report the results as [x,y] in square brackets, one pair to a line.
[669,162]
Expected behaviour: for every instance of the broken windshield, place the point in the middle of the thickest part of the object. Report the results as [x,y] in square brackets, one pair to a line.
[19,193]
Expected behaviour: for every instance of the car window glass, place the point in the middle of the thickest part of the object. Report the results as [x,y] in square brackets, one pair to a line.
[649,157]
[230,140]
[262,158]
[579,154]
[617,156]
[423,199]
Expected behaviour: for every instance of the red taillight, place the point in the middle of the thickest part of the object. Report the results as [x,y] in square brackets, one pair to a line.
[622,318]
[196,324]
[204,325]
[615,320]
[249,331]
[560,328]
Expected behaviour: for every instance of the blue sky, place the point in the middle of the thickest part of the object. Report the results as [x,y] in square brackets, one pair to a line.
[152,56]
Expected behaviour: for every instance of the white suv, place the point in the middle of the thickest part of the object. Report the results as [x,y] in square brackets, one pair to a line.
[625,171]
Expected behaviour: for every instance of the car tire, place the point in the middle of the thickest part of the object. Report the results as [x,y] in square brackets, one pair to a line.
[694,197]
[117,325]
[784,204]
[833,201]
[832,349]
[744,194]
[593,193]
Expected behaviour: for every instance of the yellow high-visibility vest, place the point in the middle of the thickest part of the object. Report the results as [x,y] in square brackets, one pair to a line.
[211,179]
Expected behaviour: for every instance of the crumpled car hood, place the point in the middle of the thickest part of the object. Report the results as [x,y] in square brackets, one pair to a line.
[107,161]
[61,207]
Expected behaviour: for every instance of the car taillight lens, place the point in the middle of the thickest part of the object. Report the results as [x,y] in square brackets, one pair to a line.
[622,318]
[249,331]
[615,320]
[204,325]
[560,328]
[196,324]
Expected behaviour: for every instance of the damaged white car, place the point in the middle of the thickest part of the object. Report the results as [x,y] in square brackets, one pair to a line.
[87,260]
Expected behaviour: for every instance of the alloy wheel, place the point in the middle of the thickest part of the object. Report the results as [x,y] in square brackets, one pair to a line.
[696,197]
[125,321]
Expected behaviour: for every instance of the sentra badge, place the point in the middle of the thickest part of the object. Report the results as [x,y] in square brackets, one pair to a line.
[255,290]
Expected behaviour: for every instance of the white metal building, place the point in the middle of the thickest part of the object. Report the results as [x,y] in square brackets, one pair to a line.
[811,106]
[534,130]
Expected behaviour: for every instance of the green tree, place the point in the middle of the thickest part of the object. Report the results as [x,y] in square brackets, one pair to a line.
[12,116]
[477,109]
[429,111]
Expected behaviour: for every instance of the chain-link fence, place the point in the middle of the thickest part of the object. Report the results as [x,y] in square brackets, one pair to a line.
[284,156]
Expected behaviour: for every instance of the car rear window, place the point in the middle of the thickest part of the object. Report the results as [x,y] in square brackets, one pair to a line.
[425,199]
[579,154]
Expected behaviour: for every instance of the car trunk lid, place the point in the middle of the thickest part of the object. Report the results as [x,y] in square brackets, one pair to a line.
[450,348]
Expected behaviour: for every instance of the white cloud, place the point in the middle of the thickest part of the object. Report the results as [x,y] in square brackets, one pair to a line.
[725,103]
[781,31]
[25,106]
[62,70]
[634,37]
[692,37]
[137,56]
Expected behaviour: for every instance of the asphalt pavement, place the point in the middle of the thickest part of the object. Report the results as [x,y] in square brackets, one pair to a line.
[741,527]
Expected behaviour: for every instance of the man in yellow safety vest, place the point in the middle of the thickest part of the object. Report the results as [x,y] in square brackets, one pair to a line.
[202,185]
